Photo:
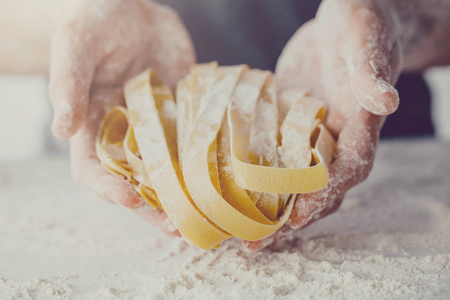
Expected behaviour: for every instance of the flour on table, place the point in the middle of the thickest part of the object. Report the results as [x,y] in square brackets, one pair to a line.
[389,240]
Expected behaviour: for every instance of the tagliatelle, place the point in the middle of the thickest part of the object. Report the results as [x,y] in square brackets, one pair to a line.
[305,179]
[214,161]
[118,153]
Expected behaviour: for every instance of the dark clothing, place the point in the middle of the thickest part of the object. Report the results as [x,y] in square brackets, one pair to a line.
[413,117]
[254,32]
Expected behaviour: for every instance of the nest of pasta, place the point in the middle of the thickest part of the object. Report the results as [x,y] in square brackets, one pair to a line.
[226,158]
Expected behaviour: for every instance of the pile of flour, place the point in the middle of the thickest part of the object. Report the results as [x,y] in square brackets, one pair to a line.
[389,240]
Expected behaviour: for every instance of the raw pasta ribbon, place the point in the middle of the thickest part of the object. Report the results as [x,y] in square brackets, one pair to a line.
[217,161]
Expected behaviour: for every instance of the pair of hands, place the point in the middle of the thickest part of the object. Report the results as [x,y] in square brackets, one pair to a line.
[349,56]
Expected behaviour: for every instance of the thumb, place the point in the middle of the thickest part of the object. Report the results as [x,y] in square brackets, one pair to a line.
[71,72]
[372,58]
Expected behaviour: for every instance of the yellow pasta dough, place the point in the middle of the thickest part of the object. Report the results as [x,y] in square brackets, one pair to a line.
[217,161]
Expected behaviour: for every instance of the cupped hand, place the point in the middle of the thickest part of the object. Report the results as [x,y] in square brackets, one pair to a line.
[92,55]
[350,57]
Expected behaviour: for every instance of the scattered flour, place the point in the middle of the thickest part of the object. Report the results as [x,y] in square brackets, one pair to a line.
[389,240]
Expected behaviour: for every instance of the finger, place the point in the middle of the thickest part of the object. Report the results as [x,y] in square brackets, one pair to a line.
[157,218]
[86,167]
[372,57]
[312,207]
[353,161]
[71,71]
[87,170]
[287,231]
[280,234]
[355,150]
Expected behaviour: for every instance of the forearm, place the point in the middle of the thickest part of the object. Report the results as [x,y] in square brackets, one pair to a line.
[25,30]
[423,30]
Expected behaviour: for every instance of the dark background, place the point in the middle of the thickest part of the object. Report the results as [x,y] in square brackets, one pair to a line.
[254,32]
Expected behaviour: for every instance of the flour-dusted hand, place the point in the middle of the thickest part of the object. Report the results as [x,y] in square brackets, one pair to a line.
[350,56]
[93,54]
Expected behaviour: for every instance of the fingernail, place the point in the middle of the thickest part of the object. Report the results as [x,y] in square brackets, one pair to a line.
[391,99]
[379,98]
